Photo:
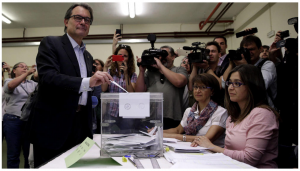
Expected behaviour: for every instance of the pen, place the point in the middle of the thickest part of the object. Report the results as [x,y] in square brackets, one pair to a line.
[146,127]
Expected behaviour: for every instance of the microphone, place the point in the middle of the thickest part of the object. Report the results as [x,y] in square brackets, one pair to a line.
[244,33]
[187,48]
[94,101]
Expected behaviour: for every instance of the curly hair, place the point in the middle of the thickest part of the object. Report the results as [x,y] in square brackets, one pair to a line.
[114,70]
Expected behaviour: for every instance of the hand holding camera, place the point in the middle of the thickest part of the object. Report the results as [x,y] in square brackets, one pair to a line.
[141,67]
[5,66]
[124,68]
[202,65]
[108,63]
[31,70]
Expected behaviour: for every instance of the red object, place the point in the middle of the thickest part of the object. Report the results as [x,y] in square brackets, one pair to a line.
[212,13]
[117,58]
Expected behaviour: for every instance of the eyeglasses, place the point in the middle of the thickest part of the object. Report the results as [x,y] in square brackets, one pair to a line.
[124,46]
[234,84]
[200,87]
[21,66]
[79,18]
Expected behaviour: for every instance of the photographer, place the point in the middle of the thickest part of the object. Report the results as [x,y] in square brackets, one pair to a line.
[253,44]
[168,79]
[210,67]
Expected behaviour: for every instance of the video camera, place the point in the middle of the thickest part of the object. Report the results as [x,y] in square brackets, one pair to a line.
[198,54]
[237,54]
[148,55]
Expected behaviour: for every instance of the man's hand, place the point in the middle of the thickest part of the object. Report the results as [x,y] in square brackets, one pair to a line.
[277,37]
[99,78]
[240,62]
[248,29]
[139,60]
[203,65]
[158,64]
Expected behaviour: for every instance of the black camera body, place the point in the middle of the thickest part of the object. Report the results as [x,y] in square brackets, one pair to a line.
[284,34]
[198,54]
[236,54]
[148,55]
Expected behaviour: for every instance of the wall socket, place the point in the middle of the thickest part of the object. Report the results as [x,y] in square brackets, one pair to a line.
[271,34]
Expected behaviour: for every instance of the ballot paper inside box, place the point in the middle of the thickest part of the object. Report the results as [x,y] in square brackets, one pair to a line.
[125,121]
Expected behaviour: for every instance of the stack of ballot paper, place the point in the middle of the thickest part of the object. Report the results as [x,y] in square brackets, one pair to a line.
[184,147]
[215,160]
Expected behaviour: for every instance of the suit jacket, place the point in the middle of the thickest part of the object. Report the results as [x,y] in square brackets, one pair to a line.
[57,99]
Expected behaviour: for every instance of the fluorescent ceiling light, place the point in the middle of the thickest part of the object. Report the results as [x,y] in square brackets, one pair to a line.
[131,10]
[124,8]
[138,8]
[6,20]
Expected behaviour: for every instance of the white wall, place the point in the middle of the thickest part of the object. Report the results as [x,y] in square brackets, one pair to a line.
[264,16]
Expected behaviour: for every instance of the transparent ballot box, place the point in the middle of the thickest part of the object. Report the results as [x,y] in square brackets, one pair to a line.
[131,124]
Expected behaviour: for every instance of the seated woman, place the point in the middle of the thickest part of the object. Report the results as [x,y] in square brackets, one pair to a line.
[206,117]
[252,125]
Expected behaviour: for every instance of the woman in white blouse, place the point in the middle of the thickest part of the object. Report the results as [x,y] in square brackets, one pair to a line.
[206,117]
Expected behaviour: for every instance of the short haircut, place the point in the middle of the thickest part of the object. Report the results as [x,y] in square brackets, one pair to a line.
[209,81]
[266,47]
[69,12]
[222,37]
[171,50]
[251,39]
[215,44]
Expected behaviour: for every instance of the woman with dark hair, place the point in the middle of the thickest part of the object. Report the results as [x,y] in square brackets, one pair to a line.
[17,89]
[123,73]
[252,125]
[206,117]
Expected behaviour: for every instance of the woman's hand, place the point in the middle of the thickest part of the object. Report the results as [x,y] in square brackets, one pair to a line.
[31,70]
[116,39]
[203,142]
[6,66]
[108,62]
[124,67]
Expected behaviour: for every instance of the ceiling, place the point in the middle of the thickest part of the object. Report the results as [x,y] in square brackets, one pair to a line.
[31,15]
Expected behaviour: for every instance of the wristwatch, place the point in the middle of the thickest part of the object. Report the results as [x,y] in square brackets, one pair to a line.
[183,138]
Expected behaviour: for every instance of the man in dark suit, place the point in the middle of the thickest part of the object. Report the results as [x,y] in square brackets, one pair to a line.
[224,60]
[62,116]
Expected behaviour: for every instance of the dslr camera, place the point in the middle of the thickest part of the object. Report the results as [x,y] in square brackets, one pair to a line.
[198,54]
[148,55]
[237,54]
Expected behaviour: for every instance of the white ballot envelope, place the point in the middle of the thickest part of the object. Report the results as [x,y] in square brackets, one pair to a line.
[134,105]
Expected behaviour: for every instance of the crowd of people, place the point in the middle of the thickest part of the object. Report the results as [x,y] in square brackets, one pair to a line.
[245,109]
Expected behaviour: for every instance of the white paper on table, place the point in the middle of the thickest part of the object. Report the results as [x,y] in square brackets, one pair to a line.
[184,146]
[170,140]
[134,105]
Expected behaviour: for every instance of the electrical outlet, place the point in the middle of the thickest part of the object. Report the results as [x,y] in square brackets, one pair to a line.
[271,34]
